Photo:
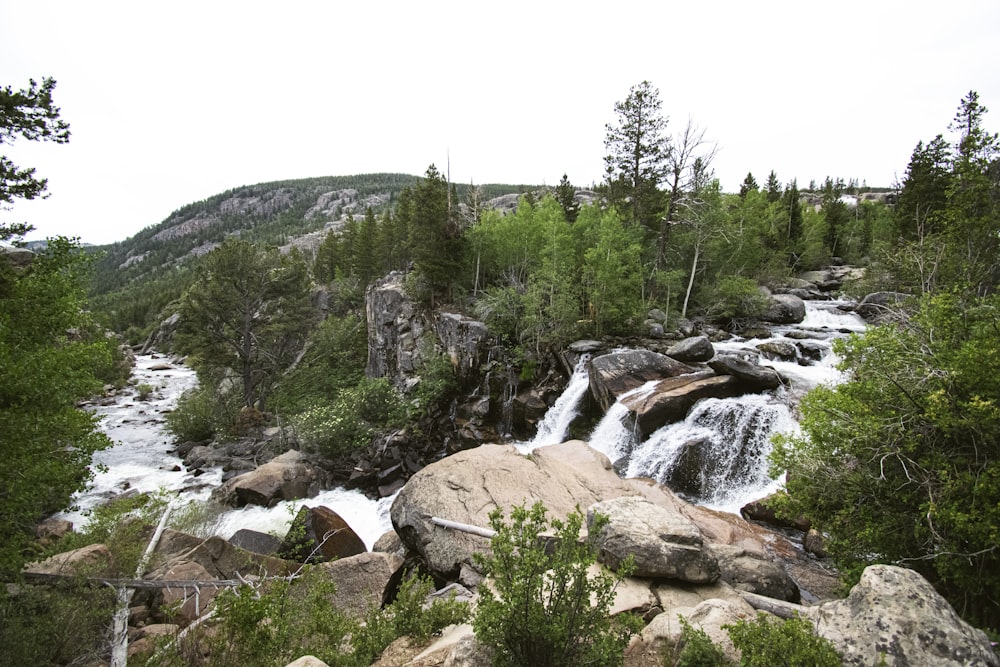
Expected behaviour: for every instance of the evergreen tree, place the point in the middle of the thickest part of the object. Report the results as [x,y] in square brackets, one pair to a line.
[566,196]
[638,153]
[435,236]
[749,185]
[29,114]
[365,265]
[247,313]
[793,207]
[773,187]
[924,193]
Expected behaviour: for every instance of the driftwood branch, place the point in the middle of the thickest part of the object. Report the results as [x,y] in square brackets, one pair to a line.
[463,527]
[779,608]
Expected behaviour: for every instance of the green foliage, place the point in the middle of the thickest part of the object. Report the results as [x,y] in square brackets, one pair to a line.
[247,312]
[637,160]
[899,463]
[789,643]
[61,624]
[124,525]
[201,413]
[333,361]
[438,384]
[30,114]
[144,391]
[544,608]
[352,419]
[694,648]
[51,356]
[734,299]
[436,239]
[280,620]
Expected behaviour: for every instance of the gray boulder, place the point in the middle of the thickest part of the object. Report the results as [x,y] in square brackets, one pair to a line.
[615,373]
[895,613]
[285,477]
[695,348]
[753,377]
[363,582]
[670,400]
[752,571]
[664,544]
[319,534]
[785,309]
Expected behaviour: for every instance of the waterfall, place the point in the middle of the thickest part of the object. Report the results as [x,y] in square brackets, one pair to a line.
[718,454]
[554,426]
[611,437]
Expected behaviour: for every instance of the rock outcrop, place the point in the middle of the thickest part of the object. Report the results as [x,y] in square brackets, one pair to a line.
[663,544]
[616,373]
[285,477]
[894,612]
[467,486]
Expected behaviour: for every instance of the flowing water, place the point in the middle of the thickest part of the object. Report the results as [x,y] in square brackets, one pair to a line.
[141,461]
[718,455]
[730,437]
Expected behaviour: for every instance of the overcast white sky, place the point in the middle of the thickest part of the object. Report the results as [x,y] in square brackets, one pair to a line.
[173,102]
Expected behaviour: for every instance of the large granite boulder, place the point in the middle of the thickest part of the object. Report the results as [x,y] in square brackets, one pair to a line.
[669,400]
[695,348]
[319,534]
[663,544]
[285,477]
[364,582]
[465,487]
[753,377]
[785,309]
[751,570]
[895,614]
[616,373]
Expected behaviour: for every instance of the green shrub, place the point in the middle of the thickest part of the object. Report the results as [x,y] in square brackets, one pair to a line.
[695,649]
[543,609]
[772,643]
[350,422]
[144,391]
[735,298]
[193,418]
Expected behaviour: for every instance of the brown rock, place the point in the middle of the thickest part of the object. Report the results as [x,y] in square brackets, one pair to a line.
[319,534]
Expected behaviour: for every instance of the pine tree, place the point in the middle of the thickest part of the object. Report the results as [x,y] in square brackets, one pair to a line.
[638,153]
[773,187]
[749,185]
[435,236]
[566,196]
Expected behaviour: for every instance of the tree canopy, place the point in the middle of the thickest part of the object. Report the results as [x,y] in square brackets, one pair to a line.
[30,114]
[247,312]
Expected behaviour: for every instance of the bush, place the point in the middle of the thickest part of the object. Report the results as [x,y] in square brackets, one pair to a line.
[695,649]
[735,298]
[281,620]
[201,413]
[193,418]
[351,421]
[773,643]
[544,609]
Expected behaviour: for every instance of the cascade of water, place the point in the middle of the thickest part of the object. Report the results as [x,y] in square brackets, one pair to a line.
[555,424]
[718,454]
[611,437]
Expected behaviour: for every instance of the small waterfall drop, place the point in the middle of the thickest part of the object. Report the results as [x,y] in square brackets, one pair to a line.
[554,426]
[718,454]
[611,437]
